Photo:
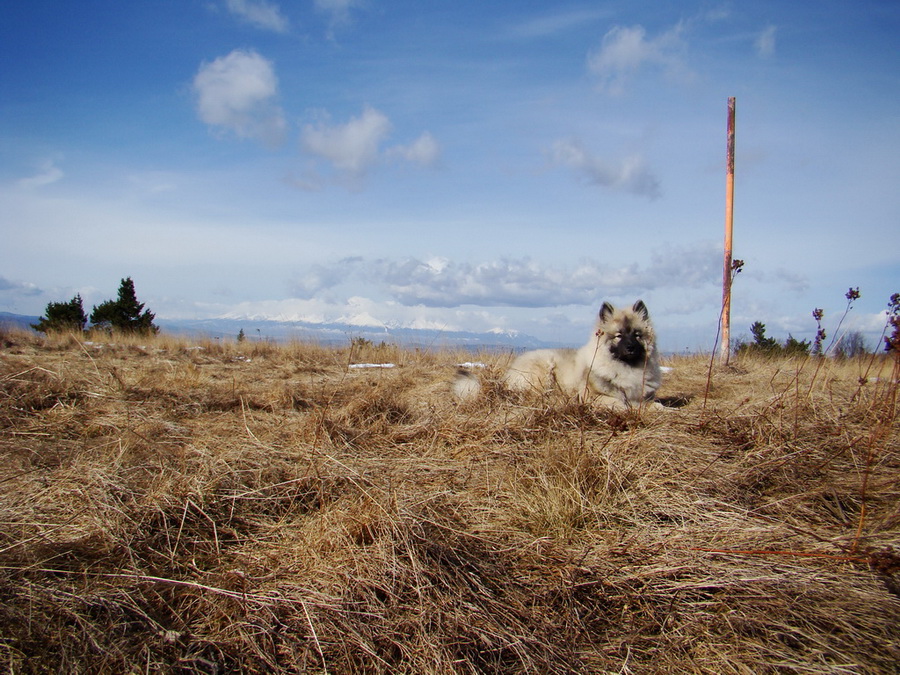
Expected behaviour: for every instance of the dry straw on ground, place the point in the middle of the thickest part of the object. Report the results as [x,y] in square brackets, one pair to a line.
[257,508]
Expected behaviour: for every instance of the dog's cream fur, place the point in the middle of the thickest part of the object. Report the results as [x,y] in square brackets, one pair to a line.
[618,367]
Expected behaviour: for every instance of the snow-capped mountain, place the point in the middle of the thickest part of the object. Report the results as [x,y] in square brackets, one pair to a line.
[342,331]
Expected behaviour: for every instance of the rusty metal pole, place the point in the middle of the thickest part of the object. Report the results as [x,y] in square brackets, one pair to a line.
[725,347]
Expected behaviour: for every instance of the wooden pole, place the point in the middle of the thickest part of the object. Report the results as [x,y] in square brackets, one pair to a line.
[725,347]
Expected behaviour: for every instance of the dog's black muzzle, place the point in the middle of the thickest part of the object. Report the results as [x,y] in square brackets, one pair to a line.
[630,350]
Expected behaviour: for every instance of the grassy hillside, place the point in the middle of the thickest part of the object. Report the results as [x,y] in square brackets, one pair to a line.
[255,508]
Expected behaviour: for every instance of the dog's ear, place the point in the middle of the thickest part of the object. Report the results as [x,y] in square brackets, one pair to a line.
[606,311]
[640,308]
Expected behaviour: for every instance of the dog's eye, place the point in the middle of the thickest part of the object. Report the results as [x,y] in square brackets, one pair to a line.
[618,336]
[638,334]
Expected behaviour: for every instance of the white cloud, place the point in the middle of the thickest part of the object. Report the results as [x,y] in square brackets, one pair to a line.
[352,147]
[262,14]
[873,323]
[425,150]
[237,93]
[438,282]
[517,283]
[765,42]
[630,175]
[47,174]
[18,287]
[625,51]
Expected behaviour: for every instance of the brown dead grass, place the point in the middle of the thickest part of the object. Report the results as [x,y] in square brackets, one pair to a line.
[260,508]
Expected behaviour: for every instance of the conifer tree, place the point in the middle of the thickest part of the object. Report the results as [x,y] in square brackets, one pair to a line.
[125,313]
[760,341]
[63,316]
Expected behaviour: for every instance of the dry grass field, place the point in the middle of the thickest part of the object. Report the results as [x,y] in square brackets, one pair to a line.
[254,508]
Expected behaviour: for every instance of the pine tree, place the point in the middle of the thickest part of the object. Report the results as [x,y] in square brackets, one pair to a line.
[63,316]
[761,342]
[794,347]
[124,314]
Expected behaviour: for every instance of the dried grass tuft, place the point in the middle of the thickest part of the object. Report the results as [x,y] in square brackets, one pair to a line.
[262,508]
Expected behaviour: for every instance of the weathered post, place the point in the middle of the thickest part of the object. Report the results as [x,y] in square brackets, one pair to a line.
[725,347]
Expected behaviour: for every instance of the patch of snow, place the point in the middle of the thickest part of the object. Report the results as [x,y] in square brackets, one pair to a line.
[363,319]
[372,365]
[421,323]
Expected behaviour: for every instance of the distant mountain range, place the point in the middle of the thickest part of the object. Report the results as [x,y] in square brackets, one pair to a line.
[342,333]
[325,333]
[17,320]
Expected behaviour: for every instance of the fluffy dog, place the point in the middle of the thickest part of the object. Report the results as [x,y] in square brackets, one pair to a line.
[618,367]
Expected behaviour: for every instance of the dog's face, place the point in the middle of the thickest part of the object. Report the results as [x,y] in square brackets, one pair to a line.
[627,333]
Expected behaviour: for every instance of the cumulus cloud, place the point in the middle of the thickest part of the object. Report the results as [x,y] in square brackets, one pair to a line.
[353,148]
[18,287]
[259,13]
[237,93]
[630,175]
[47,174]
[765,42]
[425,151]
[624,51]
[439,282]
[517,283]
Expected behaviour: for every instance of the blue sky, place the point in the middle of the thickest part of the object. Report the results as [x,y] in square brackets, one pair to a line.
[458,165]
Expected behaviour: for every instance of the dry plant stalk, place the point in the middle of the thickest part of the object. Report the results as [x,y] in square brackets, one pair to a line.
[176,507]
